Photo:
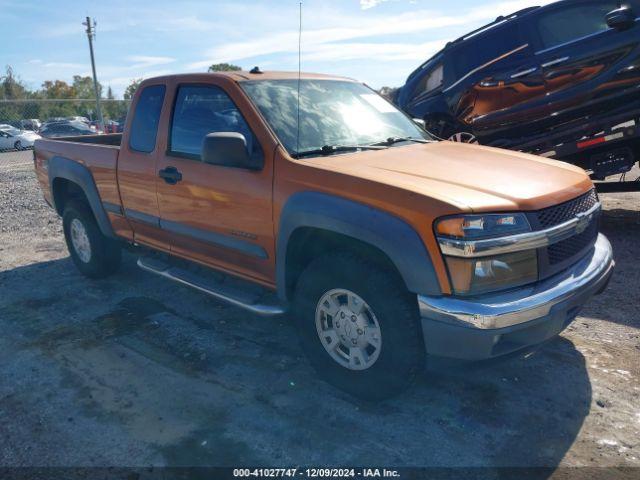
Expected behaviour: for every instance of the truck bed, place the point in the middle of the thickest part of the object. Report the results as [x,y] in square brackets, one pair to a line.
[113,139]
[99,153]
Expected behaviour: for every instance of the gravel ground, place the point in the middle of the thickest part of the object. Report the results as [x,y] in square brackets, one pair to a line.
[136,371]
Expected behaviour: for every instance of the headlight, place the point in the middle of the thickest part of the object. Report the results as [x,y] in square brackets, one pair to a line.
[474,273]
[485,274]
[476,227]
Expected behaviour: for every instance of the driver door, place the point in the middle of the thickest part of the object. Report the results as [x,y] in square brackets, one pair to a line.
[217,215]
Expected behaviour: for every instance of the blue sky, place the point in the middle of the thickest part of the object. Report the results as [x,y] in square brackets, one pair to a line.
[377,41]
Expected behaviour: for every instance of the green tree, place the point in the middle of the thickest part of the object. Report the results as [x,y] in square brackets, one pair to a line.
[57,89]
[83,87]
[113,109]
[131,89]
[12,87]
[224,67]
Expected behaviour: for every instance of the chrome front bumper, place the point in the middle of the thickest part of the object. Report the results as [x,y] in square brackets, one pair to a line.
[555,300]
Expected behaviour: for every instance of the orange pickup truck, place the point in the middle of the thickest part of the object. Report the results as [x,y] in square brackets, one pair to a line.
[315,196]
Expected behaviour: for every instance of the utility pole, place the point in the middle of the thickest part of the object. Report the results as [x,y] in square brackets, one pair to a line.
[91,34]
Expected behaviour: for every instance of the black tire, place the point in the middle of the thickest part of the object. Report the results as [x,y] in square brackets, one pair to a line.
[105,253]
[18,145]
[402,354]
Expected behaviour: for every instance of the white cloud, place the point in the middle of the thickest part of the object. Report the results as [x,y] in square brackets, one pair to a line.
[118,76]
[145,61]
[385,52]
[189,23]
[68,65]
[175,36]
[316,40]
[121,82]
[367,4]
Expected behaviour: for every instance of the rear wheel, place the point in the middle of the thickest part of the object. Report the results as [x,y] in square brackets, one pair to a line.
[93,253]
[18,145]
[358,325]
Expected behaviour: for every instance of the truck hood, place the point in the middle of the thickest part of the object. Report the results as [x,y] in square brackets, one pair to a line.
[471,177]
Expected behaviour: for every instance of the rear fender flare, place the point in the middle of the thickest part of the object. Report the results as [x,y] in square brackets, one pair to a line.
[64,168]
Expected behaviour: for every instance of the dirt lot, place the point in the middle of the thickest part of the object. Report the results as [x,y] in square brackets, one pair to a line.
[137,371]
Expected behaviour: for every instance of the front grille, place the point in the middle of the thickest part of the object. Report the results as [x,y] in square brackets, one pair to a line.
[565,249]
[561,255]
[551,216]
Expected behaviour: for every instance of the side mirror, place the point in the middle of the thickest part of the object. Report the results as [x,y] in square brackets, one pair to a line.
[228,149]
[420,122]
[621,18]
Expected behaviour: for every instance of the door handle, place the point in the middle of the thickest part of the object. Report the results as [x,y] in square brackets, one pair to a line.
[555,62]
[522,73]
[171,175]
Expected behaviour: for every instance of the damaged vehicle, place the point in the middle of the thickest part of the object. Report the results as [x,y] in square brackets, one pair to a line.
[311,195]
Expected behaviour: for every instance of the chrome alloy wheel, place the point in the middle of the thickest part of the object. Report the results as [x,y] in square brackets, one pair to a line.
[80,240]
[348,329]
[464,137]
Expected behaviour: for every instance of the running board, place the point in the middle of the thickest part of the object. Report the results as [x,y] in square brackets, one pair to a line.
[247,300]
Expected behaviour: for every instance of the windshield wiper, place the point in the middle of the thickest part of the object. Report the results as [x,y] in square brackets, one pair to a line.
[391,140]
[331,149]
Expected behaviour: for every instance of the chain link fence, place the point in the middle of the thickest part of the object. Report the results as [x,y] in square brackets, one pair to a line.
[23,121]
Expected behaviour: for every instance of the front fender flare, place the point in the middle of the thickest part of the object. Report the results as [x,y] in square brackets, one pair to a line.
[64,168]
[390,234]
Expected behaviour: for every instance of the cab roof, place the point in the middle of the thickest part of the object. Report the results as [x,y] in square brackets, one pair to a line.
[243,76]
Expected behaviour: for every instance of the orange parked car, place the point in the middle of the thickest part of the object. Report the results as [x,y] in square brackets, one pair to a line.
[316,196]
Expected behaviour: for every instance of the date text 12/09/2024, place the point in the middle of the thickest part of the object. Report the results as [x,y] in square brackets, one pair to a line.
[316,472]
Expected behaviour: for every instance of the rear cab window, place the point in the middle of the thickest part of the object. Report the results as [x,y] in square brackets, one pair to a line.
[144,127]
[203,109]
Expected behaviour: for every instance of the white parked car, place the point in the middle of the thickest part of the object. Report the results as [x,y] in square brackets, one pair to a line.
[12,138]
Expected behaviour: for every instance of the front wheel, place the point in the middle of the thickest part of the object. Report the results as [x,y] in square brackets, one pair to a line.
[359,326]
[18,145]
[94,254]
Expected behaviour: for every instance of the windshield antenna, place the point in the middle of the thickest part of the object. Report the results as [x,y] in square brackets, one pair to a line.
[299,69]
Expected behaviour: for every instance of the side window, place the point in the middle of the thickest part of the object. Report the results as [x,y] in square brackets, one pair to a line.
[479,50]
[144,127]
[200,110]
[431,81]
[563,25]
[434,80]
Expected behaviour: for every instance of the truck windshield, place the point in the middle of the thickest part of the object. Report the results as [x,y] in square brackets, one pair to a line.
[333,113]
